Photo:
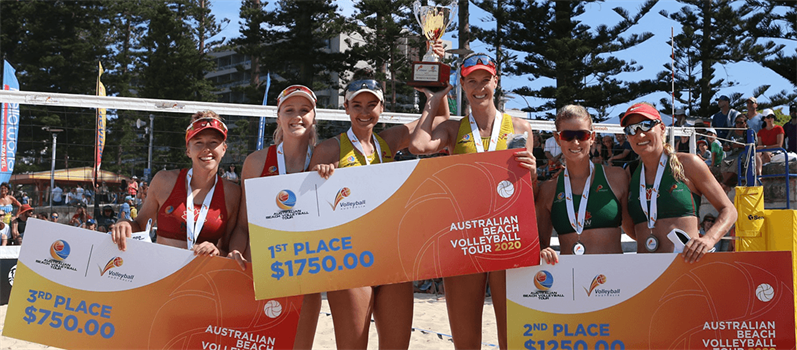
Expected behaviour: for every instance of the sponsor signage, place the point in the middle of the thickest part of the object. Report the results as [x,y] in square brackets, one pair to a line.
[390,223]
[653,301]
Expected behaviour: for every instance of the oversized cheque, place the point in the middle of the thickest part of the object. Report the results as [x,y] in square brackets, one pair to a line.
[390,223]
[653,301]
[74,289]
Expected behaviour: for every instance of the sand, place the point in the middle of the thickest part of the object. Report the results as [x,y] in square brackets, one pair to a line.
[430,318]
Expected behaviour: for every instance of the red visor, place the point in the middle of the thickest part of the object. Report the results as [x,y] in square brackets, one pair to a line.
[205,123]
[643,109]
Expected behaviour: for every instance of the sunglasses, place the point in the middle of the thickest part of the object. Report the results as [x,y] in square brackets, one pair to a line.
[740,122]
[645,126]
[294,88]
[478,60]
[204,122]
[369,84]
[570,135]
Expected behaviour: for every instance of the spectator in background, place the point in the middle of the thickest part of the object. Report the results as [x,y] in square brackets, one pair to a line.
[107,218]
[79,191]
[682,144]
[538,150]
[790,129]
[72,197]
[715,147]
[754,119]
[57,195]
[553,154]
[54,217]
[231,175]
[725,117]
[142,192]
[703,152]
[733,149]
[5,229]
[771,136]
[18,224]
[104,193]
[680,117]
[124,212]
[624,156]
[80,217]
[7,201]
[132,187]
[25,198]
[90,224]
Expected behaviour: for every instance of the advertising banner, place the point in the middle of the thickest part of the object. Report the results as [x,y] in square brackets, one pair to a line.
[75,289]
[390,223]
[653,301]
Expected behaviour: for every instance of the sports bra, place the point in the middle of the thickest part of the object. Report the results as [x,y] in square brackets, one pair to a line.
[351,157]
[171,215]
[603,208]
[675,199]
[465,144]
[270,167]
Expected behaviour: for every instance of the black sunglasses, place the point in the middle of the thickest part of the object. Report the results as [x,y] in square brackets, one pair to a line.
[644,125]
[569,135]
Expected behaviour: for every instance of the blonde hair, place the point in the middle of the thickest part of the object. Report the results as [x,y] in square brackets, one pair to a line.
[205,114]
[313,132]
[675,165]
[572,112]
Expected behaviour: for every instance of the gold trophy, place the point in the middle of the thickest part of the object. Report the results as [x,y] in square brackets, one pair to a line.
[434,20]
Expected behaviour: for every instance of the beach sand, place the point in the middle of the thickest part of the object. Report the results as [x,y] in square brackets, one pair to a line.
[430,316]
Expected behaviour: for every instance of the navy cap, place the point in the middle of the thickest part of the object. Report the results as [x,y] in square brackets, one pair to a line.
[724,97]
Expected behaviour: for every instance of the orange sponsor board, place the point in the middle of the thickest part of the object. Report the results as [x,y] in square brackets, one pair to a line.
[653,301]
[74,289]
[391,223]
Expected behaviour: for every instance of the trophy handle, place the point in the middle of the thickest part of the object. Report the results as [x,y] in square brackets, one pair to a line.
[416,9]
[452,15]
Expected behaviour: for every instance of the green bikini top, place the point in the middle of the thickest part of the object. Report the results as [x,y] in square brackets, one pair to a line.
[603,208]
[675,199]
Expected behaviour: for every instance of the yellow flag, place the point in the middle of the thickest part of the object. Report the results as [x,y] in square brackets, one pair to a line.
[100,139]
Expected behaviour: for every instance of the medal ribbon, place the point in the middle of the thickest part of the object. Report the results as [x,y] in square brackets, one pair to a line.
[356,143]
[652,213]
[281,159]
[192,229]
[577,222]
[477,138]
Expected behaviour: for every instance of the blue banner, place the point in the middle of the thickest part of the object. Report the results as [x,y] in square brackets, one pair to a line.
[261,129]
[9,125]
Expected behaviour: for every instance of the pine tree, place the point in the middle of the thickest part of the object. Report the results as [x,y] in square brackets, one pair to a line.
[719,36]
[386,45]
[777,19]
[552,43]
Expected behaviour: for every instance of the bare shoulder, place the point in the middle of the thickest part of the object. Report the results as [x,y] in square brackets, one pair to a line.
[521,125]
[254,163]
[327,151]
[616,175]
[547,191]
[690,161]
[231,189]
[164,179]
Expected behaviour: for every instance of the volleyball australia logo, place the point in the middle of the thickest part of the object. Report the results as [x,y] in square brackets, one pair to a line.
[342,193]
[115,262]
[338,203]
[560,196]
[465,138]
[272,169]
[59,252]
[543,282]
[597,281]
[286,201]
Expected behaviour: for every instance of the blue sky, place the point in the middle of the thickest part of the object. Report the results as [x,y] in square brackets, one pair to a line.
[651,55]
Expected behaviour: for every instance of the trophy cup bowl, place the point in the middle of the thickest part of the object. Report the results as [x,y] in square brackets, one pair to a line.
[434,20]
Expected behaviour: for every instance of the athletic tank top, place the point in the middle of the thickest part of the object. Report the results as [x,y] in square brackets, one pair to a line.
[271,167]
[465,143]
[674,200]
[171,215]
[352,157]
[603,208]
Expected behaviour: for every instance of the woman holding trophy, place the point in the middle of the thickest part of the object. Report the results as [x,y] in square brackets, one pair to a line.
[485,129]
[294,140]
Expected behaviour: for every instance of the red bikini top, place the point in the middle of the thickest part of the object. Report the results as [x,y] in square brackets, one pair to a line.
[171,215]
[270,168]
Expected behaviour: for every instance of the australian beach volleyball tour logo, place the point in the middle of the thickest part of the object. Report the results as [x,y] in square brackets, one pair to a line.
[543,282]
[286,200]
[338,203]
[114,263]
[59,252]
